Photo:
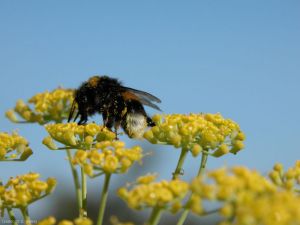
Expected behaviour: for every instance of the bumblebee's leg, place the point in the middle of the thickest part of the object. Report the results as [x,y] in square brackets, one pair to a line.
[83,117]
[116,127]
[150,122]
[73,108]
[76,117]
[83,120]
[105,118]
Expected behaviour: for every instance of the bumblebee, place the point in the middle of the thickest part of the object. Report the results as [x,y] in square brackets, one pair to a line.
[119,105]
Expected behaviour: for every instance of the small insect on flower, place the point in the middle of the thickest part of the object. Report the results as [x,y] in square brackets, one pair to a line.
[119,105]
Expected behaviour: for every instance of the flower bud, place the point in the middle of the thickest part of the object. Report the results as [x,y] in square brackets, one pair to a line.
[65,222]
[26,154]
[48,141]
[237,146]
[83,221]
[278,167]
[146,179]
[10,114]
[240,136]
[69,137]
[275,177]
[196,149]
[176,206]
[48,221]
[222,150]
[110,164]
[31,176]
[51,184]
[88,169]
[89,140]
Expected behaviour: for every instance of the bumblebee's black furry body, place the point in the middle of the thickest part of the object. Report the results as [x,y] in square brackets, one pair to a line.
[118,105]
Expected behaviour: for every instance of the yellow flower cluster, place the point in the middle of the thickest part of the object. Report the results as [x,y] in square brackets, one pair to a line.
[286,179]
[24,189]
[280,208]
[79,221]
[47,106]
[78,136]
[115,221]
[227,183]
[13,147]
[197,132]
[247,196]
[107,157]
[164,194]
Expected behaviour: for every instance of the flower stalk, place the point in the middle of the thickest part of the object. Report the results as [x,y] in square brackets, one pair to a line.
[178,170]
[203,163]
[156,212]
[103,199]
[83,211]
[25,215]
[12,216]
[201,170]
[76,182]
[155,216]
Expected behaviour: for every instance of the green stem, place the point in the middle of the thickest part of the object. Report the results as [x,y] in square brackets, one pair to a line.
[42,196]
[25,214]
[156,211]
[186,212]
[103,200]
[96,175]
[68,148]
[200,172]
[211,211]
[11,160]
[183,217]
[83,194]
[178,169]
[22,122]
[12,216]
[203,163]
[155,216]
[76,182]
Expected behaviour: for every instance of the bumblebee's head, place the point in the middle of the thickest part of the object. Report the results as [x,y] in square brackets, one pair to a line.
[104,80]
[94,81]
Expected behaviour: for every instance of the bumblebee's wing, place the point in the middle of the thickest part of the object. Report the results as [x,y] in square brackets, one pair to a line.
[142,94]
[148,103]
[144,97]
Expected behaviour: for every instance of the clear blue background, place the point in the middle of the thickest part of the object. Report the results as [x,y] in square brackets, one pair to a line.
[239,58]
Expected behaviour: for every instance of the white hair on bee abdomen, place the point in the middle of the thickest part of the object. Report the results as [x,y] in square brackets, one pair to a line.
[135,125]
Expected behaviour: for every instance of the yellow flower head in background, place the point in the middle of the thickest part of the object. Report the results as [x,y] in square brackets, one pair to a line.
[197,132]
[77,136]
[164,194]
[107,157]
[280,208]
[227,184]
[289,179]
[13,147]
[247,195]
[43,107]
[78,221]
[115,221]
[25,189]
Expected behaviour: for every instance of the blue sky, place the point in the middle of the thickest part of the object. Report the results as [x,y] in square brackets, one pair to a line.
[239,58]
